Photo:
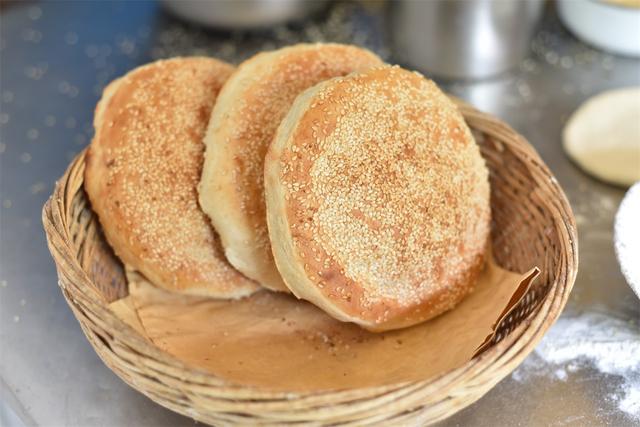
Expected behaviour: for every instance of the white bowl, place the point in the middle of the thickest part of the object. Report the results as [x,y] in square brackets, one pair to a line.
[627,237]
[609,26]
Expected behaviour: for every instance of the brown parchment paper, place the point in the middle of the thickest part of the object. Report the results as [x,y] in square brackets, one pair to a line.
[276,342]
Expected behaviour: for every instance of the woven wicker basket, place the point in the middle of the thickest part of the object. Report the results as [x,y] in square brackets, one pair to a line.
[532,225]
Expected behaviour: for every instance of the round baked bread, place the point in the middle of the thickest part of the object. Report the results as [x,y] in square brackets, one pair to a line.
[142,170]
[377,199]
[248,111]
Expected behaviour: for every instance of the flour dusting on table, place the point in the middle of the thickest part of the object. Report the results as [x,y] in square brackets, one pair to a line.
[610,345]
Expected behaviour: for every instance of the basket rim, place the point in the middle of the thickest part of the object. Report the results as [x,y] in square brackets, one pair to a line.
[487,368]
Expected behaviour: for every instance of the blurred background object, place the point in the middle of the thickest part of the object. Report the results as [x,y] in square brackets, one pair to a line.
[243,14]
[627,237]
[612,25]
[603,136]
[460,39]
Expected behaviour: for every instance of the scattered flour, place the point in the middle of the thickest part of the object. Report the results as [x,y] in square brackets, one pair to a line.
[631,401]
[610,345]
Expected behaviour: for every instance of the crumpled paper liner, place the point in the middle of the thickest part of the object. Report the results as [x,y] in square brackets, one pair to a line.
[276,342]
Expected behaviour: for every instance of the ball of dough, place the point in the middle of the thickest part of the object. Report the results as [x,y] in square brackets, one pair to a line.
[603,136]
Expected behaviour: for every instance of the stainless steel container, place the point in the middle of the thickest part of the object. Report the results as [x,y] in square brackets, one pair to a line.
[463,39]
[243,14]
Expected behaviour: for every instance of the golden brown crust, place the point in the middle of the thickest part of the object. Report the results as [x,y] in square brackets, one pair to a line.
[250,106]
[142,169]
[377,199]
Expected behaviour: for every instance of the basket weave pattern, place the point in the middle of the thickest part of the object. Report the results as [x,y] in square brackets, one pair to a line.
[532,225]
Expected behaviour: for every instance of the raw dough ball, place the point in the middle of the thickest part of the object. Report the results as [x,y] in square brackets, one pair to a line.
[603,136]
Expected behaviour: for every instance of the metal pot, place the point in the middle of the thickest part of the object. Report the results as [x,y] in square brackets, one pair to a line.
[462,39]
[243,14]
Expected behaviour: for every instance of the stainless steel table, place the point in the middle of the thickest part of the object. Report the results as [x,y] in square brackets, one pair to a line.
[55,58]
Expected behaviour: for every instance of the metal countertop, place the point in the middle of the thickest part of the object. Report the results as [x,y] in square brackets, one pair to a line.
[55,58]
